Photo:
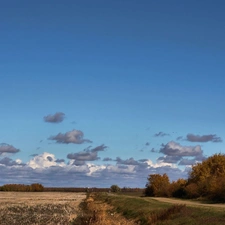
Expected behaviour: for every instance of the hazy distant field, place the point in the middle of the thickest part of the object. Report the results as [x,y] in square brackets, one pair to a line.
[39,207]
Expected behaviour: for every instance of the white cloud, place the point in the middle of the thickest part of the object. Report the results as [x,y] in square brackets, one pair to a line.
[44,160]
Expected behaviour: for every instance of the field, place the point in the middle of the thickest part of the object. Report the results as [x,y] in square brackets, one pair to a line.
[39,207]
[72,208]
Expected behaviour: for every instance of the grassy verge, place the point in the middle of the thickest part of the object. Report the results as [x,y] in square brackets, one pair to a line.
[154,212]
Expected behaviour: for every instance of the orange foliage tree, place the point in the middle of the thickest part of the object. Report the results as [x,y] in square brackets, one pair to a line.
[157,185]
[207,179]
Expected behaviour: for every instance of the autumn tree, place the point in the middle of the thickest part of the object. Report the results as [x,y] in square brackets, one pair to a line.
[157,185]
[37,187]
[177,188]
[207,179]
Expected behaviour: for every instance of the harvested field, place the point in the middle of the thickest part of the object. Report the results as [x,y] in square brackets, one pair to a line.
[39,207]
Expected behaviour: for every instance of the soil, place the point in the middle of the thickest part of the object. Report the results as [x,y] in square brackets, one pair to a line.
[39,208]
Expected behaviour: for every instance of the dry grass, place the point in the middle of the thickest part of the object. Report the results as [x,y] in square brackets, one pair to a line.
[97,212]
[39,208]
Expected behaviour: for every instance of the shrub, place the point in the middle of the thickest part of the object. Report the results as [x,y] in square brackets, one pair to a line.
[115,188]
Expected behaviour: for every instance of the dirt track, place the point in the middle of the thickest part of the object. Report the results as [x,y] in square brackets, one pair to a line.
[188,202]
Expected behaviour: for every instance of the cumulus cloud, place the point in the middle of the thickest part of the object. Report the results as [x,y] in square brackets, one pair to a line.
[130,161]
[60,160]
[79,163]
[161,134]
[170,159]
[83,156]
[175,149]
[203,138]
[49,171]
[55,118]
[44,160]
[74,136]
[88,154]
[5,148]
[9,162]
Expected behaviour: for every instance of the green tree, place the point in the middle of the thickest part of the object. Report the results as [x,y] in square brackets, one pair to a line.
[115,188]
[157,185]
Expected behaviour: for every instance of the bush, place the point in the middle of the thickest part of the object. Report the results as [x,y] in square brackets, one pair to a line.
[115,188]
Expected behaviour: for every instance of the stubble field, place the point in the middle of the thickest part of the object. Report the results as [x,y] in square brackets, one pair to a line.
[39,207]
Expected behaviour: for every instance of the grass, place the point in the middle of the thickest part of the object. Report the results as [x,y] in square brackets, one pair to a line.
[147,211]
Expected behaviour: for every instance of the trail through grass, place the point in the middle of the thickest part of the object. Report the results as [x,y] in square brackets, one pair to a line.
[147,211]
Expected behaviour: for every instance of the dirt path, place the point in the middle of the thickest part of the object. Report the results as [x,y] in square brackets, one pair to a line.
[188,202]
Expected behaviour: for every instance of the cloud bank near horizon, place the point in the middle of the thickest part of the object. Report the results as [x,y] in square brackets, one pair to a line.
[87,168]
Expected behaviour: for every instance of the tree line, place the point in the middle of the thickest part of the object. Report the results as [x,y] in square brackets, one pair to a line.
[36,187]
[206,180]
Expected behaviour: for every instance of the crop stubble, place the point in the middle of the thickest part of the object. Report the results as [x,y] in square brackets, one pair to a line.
[39,207]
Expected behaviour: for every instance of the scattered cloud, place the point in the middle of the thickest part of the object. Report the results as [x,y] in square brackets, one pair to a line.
[46,169]
[88,154]
[107,159]
[9,162]
[55,118]
[175,149]
[60,160]
[6,148]
[179,138]
[99,148]
[153,150]
[170,159]
[161,134]
[200,157]
[147,143]
[83,156]
[130,161]
[175,153]
[203,138]
[187,162]
[74,136]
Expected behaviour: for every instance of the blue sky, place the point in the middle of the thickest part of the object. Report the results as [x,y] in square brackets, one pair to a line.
[95,93]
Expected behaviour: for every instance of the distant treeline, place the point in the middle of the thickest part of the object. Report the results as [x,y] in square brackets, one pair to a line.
[85,189]
[22,187]
[40,187]
[75,189]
